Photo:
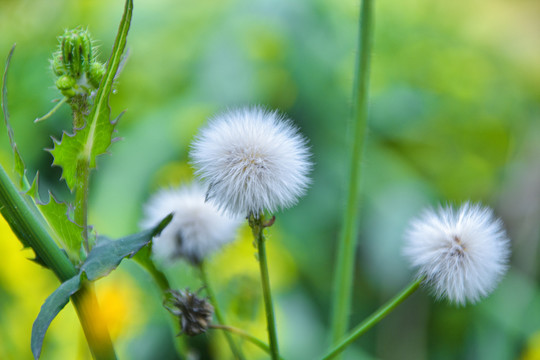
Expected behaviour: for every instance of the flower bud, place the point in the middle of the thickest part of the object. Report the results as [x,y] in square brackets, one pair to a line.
[76,50]
[97,70]
[65,84]
[57,66]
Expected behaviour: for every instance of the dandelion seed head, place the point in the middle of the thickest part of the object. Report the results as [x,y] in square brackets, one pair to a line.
[462,253]
[197,228]
[252,160]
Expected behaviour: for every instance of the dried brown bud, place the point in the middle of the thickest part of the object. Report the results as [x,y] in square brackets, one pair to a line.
[195,313]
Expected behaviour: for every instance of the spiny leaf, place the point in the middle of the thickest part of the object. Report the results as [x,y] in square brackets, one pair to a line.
[52,306]
[102,259]
[19,164]
[66,232]
[97,134]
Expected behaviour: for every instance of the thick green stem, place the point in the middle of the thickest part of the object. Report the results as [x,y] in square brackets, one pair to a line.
[373,319]
[23,219]
[81,199]
[344,266]
[94,326]
[244,334]
[21,214]
[257,227]
[217,311]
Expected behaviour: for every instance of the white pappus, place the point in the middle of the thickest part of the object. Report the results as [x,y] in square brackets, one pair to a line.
[197,228]
[462,253]
[252,160]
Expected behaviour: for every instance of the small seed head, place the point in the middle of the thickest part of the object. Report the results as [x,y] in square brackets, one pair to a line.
[195,313]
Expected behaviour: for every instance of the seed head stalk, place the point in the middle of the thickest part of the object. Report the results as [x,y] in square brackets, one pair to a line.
[257,226]
[374,319]
[344,266]
[217,311]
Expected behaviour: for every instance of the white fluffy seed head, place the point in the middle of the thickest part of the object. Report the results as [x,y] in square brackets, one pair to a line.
[197,228]
[252,160]
[462,253]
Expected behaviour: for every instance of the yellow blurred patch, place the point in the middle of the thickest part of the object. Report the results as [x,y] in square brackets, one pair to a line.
[119,299]
[24,286]
[532,352]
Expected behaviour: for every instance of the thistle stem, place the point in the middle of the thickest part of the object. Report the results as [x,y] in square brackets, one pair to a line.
[25,224]
[343,275]
[257,227]
[144,260]
[94,326]
[217,311]
[373,319]
[81,199]
[244,334]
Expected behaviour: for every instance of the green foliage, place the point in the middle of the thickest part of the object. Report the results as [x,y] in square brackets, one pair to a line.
[52,306]
[97,134]
[66,232]
[102,259]
[19,164]
[52,215]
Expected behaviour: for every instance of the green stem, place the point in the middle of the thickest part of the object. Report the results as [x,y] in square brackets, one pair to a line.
[244,334]
[257,227]
[53,110]
[343,275]
[25,221]
[217,311]
[143,258]
[79,106]
[373,319]
[95,328]
[81,199]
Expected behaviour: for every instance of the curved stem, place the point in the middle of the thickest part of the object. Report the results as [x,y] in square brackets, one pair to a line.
[219,315]
[343,275]
[143,258]
[53,110]
[257,227]
[244,334]
[374,318]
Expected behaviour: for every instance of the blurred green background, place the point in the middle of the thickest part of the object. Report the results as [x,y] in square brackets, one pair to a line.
[454,110]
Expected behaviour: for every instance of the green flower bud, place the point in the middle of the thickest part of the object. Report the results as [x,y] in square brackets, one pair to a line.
[65,84]
[97,70]
[57,66]
[76,49]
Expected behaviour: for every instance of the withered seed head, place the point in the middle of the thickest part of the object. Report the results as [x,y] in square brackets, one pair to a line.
[195,313]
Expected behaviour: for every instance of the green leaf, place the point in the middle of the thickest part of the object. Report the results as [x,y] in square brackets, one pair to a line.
[102,259]
[19,164]
[51,214]
[97,134]
[52,306]
[65,232]
[107,254]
